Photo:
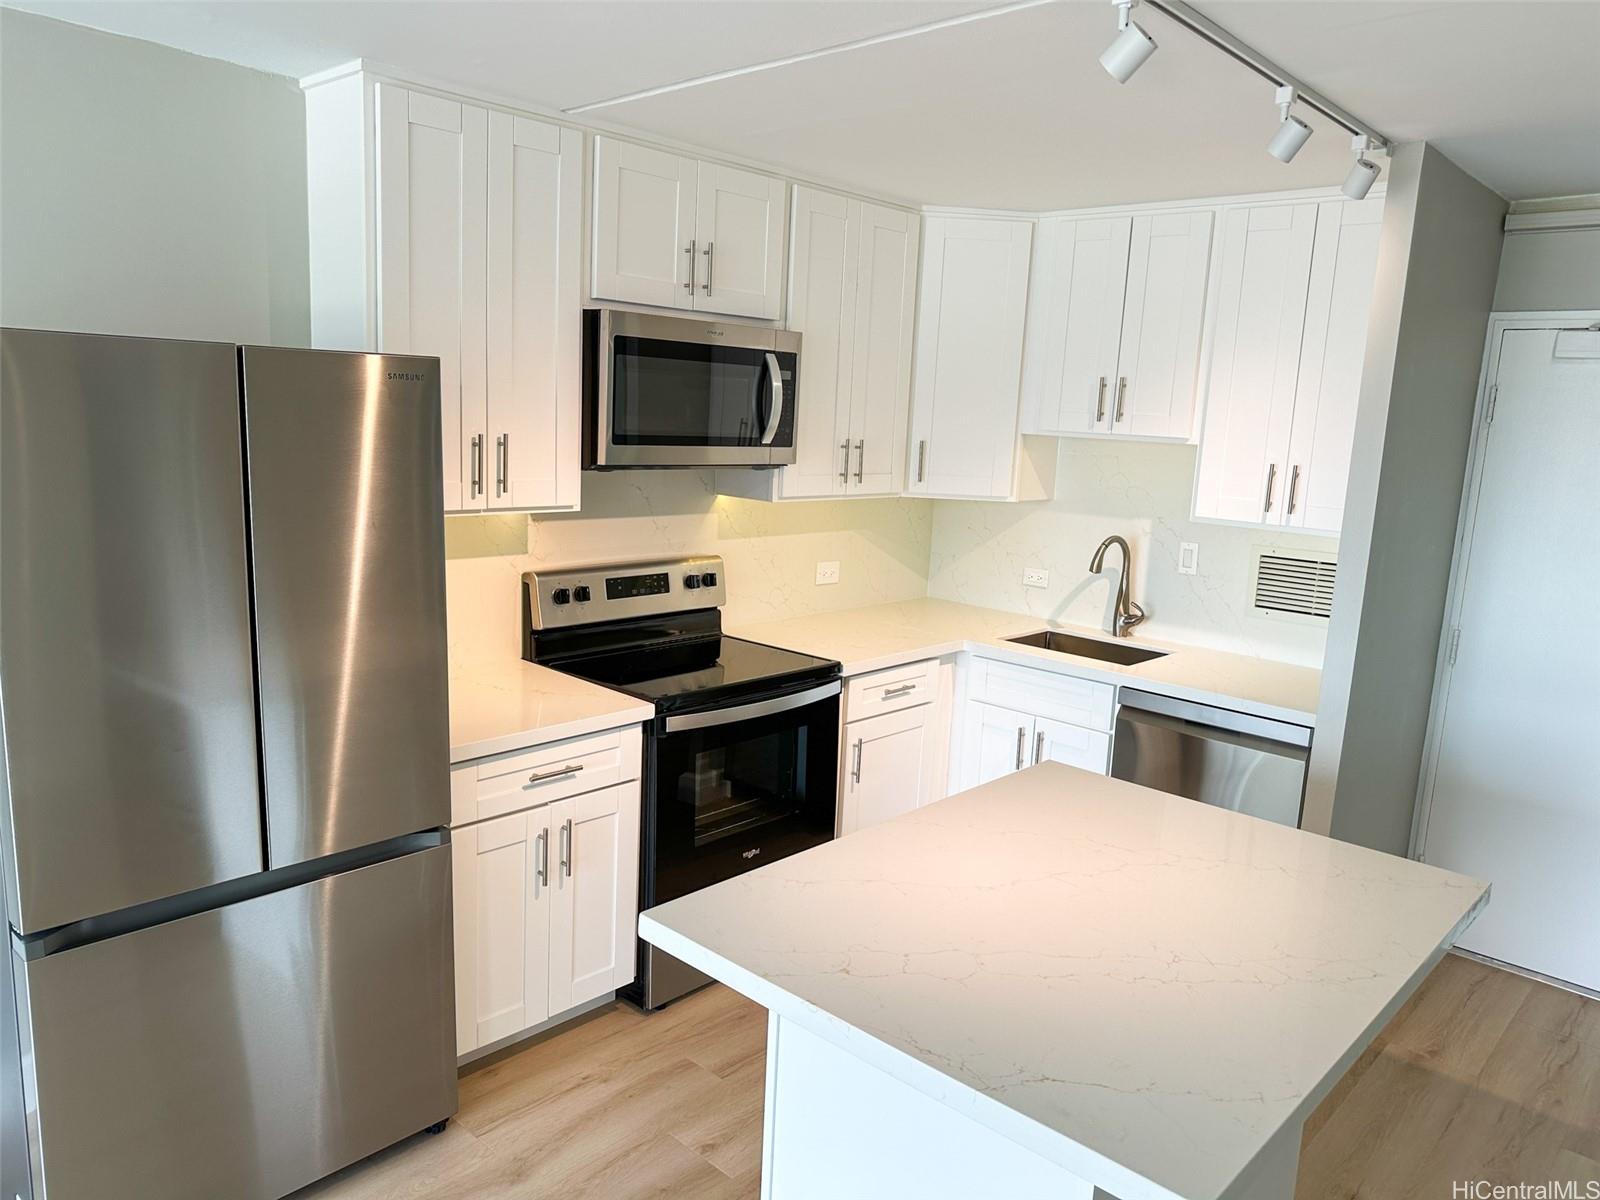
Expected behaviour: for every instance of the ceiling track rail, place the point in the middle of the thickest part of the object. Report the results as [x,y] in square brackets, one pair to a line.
[1208,30]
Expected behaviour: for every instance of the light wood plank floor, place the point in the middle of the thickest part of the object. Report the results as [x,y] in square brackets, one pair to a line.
[1485,1075]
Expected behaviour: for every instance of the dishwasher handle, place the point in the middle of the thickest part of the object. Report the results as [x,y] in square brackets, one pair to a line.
[1283,732]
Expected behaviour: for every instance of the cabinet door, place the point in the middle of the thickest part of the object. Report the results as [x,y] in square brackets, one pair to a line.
[739,221]
[501,873]
[595,879]
[887,767]
[880,388]
[1344,266]
[643,224]
[1077,328]
[1055,741]
[532,448]
[432,259]
[1158,365]
[1001,742]
[969,357]
[822,302]
[1261,307]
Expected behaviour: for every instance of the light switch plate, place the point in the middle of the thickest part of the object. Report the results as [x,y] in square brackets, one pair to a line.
[827,572]
[1188,557]
[1035,577]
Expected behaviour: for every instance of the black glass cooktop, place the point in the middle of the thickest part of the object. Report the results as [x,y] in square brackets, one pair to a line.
[699,670]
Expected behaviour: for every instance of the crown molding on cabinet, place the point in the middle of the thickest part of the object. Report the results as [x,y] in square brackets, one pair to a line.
[1297,196]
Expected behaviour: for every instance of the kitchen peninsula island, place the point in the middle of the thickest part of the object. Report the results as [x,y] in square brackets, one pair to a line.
[1062,985]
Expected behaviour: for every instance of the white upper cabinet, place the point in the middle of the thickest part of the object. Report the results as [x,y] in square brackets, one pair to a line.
[852,284]
[966,394]
[470,252]
[1295,291]
[679,232]
[1114,324]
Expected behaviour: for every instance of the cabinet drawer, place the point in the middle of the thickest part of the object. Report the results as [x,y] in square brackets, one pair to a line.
[1043,693]
[492,787]
[891,690]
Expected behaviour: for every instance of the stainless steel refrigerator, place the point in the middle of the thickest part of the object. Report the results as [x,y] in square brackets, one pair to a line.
[222,811]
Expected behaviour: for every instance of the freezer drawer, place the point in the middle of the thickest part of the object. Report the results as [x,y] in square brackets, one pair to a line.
[245,1051]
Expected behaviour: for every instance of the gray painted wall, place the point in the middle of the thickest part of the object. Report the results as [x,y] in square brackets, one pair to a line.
[1437,264]
[147,191]
[1549,270]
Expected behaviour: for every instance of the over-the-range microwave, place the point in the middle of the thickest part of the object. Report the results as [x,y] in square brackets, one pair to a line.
[664,391]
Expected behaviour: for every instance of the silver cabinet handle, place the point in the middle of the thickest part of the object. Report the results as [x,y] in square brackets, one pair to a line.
[1294,485]
[922,460]
[775,374]
[541,866]
[566,848]
[844,462]
[502,457]
[477,464]
[688,284]
[899,691]
[1038,747]
[1122,394]
[1022,737]
[861,459]
[855,770]
[1100,402]
[541,776]
[710,246]
[1272,477]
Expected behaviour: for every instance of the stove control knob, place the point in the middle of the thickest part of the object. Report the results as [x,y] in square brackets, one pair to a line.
[581,594]
[561,596]
[709,579]
[691,581]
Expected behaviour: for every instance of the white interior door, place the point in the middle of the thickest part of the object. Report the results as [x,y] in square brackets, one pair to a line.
[739,218]
[887,767]
[594,878]
[822,301]
[643,224]
[1515,788]
[433,157]
[1344,266]
[1158,364]
[885,310]
[1074,335]
[535,354]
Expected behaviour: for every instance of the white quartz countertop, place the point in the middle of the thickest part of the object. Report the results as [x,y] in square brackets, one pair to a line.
[886,635]
[1140,988]
[502,705]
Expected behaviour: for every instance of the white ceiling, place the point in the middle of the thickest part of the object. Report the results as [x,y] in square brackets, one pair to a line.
[1010,111]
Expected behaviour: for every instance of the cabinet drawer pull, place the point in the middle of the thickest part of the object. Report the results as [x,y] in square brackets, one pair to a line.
[710,246]
[899,691]
[1122,395]
[541,776]
[1100,402]
[855,769]
[1272,477]
[1022,737]
[922,460]
[688,284]
[1038,747]
[541,864]
[861,459]
[566,848]
[1294,486]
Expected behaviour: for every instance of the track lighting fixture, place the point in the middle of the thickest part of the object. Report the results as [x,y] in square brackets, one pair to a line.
[1364,173]
[1292,131]
[1132,47]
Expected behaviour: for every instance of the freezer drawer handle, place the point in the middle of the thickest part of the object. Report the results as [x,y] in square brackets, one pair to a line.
[541,776]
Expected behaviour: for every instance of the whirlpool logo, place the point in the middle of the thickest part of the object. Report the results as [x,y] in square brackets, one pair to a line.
[751,853]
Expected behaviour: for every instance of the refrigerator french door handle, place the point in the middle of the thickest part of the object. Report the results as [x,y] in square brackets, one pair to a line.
[775,379]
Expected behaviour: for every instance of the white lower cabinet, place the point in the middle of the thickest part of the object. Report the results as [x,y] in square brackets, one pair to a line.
[545,898]
[895,752]
[1016,716]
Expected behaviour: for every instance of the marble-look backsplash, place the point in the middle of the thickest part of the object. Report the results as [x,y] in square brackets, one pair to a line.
[771,550]
[1140,490]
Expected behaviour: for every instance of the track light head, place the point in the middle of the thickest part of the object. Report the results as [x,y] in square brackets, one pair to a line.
[1360,180]
[1132,47]
[1292,134]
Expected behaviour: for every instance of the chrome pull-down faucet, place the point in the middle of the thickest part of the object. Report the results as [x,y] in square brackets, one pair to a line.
[1129,614]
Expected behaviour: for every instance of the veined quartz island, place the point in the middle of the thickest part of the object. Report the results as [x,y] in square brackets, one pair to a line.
[1062,985]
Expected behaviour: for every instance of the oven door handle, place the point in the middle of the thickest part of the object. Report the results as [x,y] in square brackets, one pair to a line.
[745,712]
[775,414]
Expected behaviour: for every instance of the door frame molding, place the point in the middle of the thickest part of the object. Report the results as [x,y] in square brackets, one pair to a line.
[1500,323]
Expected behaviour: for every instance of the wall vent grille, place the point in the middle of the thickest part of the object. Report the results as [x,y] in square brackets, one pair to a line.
[1287,583]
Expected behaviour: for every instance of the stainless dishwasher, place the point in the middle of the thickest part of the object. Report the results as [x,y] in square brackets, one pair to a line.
[1214,755]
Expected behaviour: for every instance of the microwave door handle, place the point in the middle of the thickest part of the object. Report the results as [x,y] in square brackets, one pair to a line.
[775,414]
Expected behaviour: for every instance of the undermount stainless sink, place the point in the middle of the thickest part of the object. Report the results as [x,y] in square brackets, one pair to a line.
[1070,643]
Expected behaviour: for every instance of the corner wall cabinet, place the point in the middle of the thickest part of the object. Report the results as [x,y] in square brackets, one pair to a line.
[852,296]
[679,232]
[1295,292]
[453,230]
[1114,324]
[965,438]
[545,883]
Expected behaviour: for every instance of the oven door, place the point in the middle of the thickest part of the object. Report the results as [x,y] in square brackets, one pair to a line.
[672,392]
[737,787]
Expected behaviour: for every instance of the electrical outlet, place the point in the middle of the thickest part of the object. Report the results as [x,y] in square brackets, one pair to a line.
[1188,557]
[827,572]
[1035,577]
